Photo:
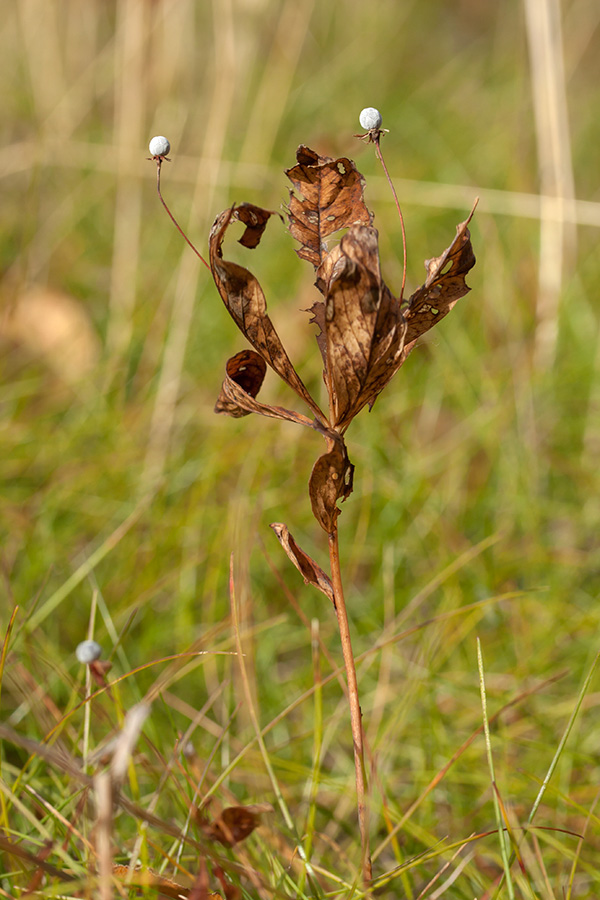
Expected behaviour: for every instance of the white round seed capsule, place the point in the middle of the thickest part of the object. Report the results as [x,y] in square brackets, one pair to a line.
[159,146]
[88,652]
[370,118]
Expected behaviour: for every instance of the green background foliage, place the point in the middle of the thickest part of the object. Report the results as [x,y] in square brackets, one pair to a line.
[475,511]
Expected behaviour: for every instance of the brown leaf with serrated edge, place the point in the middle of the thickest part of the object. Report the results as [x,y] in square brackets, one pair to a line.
[234,824]
[234,400]
[331,198]
[245,302]
[318,319]
[310,571]
[247,369]
[364,326]
[445,284]
[330,480]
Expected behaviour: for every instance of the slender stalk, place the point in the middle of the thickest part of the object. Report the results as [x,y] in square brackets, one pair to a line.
[376,140]
[353,700]
[488,745]
[172,217]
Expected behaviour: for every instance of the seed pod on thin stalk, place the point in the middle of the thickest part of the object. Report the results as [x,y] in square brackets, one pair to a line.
[159,147]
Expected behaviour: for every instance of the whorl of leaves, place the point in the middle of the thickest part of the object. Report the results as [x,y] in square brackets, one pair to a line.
[364,332]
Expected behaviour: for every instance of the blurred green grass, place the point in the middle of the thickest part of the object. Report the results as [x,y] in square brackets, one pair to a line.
[474,439]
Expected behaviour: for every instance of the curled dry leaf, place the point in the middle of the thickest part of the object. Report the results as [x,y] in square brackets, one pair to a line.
[245,300]
[330,480]
[243,379]
[255,219]
[310,571]
[247,369]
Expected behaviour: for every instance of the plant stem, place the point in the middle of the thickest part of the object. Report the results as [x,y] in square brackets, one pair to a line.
[353,699]
[172,217]
[391,184]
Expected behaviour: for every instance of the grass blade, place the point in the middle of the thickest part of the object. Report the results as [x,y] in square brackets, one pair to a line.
[488,746]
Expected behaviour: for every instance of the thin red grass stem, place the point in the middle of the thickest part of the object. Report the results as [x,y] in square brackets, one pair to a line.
[391,184]
[353,701]
[172,217]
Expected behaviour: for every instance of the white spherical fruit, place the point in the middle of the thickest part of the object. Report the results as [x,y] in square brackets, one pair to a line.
[159,146]
[370,118]
[88,652]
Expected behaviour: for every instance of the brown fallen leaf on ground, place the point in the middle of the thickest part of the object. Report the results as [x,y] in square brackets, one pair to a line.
[234,824]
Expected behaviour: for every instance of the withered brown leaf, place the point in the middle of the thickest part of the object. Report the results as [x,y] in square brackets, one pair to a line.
[255,219]
[367,334]
[331,198]
[308,568]
[245,301]
[331,478]
[445,283]
[364,326]
[364,334]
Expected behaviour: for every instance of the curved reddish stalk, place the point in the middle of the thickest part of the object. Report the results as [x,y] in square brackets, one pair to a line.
[391,184]
[172,217]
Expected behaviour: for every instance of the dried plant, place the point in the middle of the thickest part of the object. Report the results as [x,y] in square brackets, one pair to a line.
[364,335]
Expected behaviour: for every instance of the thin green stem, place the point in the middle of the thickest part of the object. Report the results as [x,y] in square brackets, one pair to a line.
[563,741]
[353,700]
[488,747]
[172,217]
[391,184]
